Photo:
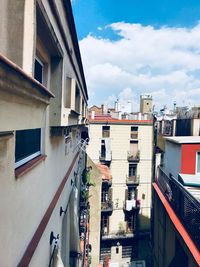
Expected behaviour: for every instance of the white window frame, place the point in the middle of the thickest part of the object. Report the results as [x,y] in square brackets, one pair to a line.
[197,160]
[32,156]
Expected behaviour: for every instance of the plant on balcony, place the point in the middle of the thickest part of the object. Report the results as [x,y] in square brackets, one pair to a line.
[85,194]
[86,177]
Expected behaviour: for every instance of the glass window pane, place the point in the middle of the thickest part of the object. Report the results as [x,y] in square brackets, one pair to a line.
[38,73]
[198,161]
[27,143]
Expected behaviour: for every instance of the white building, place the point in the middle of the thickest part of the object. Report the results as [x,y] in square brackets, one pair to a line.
[125,146]
[43,103]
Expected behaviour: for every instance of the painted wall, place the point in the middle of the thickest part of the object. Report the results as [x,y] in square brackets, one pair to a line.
[172,158]
[188,160]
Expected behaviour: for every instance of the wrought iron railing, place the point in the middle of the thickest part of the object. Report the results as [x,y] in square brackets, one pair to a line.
[106,134]
[134,179]
[185,205]
[117,234]
[107,205]
[132,156]
[102,156]
[134,135]
[135,206]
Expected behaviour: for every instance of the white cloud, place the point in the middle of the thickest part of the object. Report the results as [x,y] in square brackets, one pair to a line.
[164,62]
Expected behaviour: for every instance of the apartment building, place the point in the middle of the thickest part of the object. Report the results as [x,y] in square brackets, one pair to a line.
[125,148]
[43,106]
[176,204]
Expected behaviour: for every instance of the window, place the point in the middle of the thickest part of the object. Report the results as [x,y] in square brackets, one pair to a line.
[130,224]
[77,100]
[104,224]
[134,132]
[83,108]
[39,70]
[103,149]
[27,146]
[134,149]
[132,193]
[198,162]
[67,92]
[132,170]
[104,195]
[105,131]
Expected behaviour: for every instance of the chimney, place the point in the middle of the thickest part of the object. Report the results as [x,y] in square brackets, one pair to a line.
[93,115]
[102,109]
[116,106]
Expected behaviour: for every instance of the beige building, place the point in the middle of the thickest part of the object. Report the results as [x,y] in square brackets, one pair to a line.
[125,146]
[43,104]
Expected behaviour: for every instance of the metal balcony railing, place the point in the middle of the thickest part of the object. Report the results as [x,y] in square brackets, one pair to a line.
[134,135]
[185,205]
[107,206]
[106,134]
[132,156]
[132,180]
[102,156]
[120,234]
[131,205]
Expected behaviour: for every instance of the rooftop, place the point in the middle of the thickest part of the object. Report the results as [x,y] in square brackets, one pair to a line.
[109,119]
[184,139]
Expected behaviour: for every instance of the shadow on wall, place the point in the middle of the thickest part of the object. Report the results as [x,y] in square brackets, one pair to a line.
[144,241]
[145,250]
[144,222]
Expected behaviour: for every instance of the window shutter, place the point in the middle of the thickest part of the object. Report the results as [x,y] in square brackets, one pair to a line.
[110,192]
[126,194]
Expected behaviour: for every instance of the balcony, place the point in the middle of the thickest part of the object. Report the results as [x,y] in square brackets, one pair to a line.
[132,180]
[107,206]
[105,157]
[185,205]
[106,134]
[121,234]
[134,135]
[131,205]
[133,157]
[107,182]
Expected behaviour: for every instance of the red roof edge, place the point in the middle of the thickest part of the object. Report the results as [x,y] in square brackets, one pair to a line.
[178,225]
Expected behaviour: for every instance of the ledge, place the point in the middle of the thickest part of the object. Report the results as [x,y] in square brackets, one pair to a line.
[28,166]
[13,80]
[6,135]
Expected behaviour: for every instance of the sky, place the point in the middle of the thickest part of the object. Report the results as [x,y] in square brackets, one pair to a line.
[135,47]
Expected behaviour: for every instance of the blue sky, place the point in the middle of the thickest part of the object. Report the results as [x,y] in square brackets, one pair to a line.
[117,36]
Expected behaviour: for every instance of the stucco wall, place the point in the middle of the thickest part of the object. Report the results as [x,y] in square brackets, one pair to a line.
[25,200]
[95,212]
